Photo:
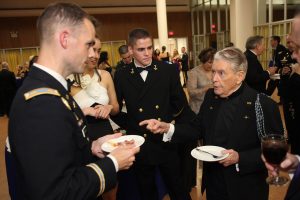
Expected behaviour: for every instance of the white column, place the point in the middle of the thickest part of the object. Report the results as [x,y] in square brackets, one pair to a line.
[241,21]
[162,23]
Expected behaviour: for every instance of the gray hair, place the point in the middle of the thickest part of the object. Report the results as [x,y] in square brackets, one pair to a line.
[235,57]
[253,41]
[4,65]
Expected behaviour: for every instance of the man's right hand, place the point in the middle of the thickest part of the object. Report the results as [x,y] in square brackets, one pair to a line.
[155,126]
[125,155]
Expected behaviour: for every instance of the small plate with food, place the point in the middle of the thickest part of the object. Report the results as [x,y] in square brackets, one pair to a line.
[112,144]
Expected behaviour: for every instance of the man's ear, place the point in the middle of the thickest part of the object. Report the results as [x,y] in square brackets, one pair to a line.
[241,76]
[63,38]
[130,49]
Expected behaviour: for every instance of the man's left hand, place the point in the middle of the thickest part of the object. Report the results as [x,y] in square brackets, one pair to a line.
[232,158]
[96,145]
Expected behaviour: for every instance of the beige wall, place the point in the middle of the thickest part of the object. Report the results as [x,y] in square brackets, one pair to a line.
[113,27]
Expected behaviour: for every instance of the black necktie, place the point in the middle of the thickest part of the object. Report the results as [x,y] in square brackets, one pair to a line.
[140,69]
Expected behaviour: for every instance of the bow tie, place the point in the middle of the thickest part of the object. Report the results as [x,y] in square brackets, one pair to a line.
[140,69]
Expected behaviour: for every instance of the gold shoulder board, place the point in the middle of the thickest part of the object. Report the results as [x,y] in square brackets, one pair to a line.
[40,91]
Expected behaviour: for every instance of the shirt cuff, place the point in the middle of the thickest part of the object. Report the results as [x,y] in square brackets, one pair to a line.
[114,161]
[168,135]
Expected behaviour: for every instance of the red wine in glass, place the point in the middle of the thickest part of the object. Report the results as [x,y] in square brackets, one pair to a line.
[274,149]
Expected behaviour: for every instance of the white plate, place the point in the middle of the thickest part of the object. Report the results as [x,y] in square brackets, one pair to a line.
[109,146]
[199,155]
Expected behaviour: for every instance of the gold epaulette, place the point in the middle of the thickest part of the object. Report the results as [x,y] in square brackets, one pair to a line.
[40,91]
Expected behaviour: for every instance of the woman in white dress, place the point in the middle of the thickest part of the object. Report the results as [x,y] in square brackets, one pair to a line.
[94,92]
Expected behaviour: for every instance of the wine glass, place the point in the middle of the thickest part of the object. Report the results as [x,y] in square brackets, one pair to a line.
[274,149]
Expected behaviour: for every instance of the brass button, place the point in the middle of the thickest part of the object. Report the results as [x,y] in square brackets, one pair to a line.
[159,119]
[157,107]
[141,109]
[145,135]
[211,107]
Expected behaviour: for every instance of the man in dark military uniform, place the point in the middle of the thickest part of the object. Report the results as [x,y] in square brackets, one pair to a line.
[47,130]
[256,76]
[126,57]
[232,116]
[151,89]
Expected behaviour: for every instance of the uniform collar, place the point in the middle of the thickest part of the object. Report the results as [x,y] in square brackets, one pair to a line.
[54,74]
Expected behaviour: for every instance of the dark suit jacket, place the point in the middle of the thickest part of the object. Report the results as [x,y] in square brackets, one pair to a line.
[49,144]
[185,62]
[160,97]
[256,77]
[249,182]
[7,80]
[279,53]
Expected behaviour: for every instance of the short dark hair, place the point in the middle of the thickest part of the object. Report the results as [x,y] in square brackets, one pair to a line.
[123,49]
[277,38]
[60,13]
[253,41]
[103,56]
[137,34]
[207,54]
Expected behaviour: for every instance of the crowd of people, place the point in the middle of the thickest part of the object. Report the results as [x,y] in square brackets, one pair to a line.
[70,100]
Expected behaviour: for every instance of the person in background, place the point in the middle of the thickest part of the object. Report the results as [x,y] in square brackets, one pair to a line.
[164,55]
[184,64]
[103,62]
[126,57]
[47,130]
[151,89]
[280,58]
[231,116]
[176,59]
[156,53]
[8,89]
[256,76]
[200,79]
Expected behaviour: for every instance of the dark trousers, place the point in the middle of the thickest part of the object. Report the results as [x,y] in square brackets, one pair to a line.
[185,76]
[11,176]
[171,176]
[292,121]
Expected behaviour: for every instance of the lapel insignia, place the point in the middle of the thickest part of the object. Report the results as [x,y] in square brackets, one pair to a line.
[246,117]
[74,104]
[132,71]
[66,103]
[80,122]
[83,130]
[155,68]
[211,107]
[67,97]
[249,102]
